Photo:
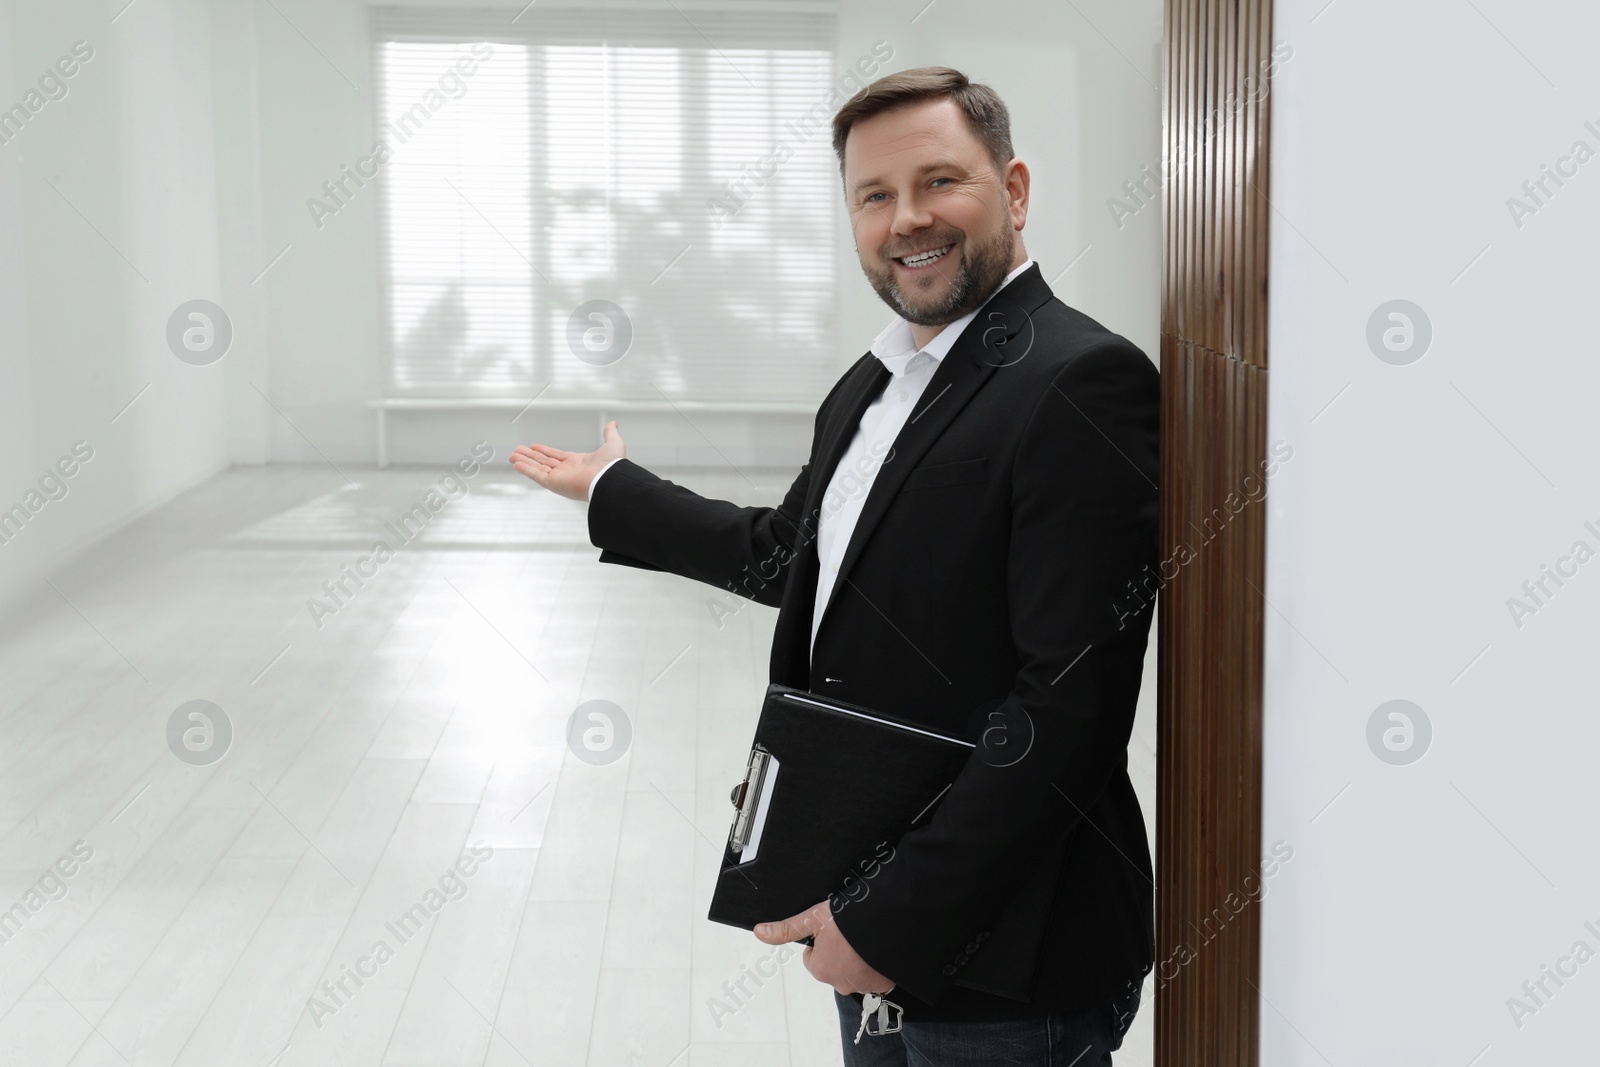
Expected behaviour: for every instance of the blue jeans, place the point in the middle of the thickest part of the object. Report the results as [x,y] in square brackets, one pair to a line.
[1070,1039]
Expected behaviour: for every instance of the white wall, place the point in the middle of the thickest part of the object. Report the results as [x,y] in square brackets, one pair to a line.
[1419,499]
[108,221]
[316,106]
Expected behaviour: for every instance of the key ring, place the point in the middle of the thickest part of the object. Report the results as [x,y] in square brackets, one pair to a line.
[877,1004]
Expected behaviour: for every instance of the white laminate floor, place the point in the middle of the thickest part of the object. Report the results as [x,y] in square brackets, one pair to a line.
[296,901]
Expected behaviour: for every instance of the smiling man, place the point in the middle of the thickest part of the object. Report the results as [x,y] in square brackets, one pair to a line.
[980,492]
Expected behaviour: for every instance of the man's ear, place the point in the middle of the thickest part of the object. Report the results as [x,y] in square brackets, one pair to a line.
[1017,182]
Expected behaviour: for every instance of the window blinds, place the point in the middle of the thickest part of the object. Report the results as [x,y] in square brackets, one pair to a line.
[677,165]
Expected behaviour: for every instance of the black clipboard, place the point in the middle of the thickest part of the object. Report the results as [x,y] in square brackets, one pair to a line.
[829,788]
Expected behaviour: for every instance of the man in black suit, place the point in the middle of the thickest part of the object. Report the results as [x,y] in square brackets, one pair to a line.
[958,550]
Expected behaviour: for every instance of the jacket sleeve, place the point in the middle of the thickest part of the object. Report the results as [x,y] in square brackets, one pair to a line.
[1084,514]
[638,519]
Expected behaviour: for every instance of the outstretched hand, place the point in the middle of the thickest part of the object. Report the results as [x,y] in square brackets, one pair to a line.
[566,473]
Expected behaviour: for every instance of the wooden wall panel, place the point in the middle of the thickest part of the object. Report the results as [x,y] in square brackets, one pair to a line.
[1214,379]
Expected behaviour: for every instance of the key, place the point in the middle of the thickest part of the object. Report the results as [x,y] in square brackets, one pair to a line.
[876,1002]
[870,1003]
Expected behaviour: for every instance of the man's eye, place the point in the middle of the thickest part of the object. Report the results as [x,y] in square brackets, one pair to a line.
[872,197]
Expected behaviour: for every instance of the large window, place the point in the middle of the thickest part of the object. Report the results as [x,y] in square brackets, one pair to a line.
[676,165]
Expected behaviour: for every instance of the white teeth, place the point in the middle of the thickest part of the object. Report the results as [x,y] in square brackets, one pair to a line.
[924,258]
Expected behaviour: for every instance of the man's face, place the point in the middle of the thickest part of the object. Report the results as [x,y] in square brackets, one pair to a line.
[918,180]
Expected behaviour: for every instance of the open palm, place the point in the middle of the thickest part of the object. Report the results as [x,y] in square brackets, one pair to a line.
[568,473]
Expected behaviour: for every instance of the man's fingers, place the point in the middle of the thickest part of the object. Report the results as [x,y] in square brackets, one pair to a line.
[530,450]
[540,452]
[548,450]
[529,460]
[795,927]
[844,988]
[791,929]
[536,471]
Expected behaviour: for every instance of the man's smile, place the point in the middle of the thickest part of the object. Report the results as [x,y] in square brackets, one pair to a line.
[924,259]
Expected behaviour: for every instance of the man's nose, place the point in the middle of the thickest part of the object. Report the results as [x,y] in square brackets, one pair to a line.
[910,216]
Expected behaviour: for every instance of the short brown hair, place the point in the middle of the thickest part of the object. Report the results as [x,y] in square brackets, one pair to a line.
[986,113]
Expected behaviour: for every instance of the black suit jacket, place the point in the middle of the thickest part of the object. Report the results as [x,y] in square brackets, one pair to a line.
[985,589]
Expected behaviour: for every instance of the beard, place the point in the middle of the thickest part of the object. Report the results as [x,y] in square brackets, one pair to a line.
[982,267]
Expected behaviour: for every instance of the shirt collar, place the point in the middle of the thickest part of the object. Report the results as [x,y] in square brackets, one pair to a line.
[895,347]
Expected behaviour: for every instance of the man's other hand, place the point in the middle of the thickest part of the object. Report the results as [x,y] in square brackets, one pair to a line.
[830,959]
[566,473]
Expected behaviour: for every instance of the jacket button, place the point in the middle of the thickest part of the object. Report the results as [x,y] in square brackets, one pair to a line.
[949,969]
[972,946]
[982,934]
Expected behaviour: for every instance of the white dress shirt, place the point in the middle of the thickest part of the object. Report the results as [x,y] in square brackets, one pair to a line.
[912,368]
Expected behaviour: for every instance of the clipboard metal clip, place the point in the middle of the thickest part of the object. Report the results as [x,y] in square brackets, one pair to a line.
[746,797]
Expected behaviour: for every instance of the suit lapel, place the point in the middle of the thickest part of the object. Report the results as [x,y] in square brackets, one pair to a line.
[864,386]
[1000,335]
[791,641]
